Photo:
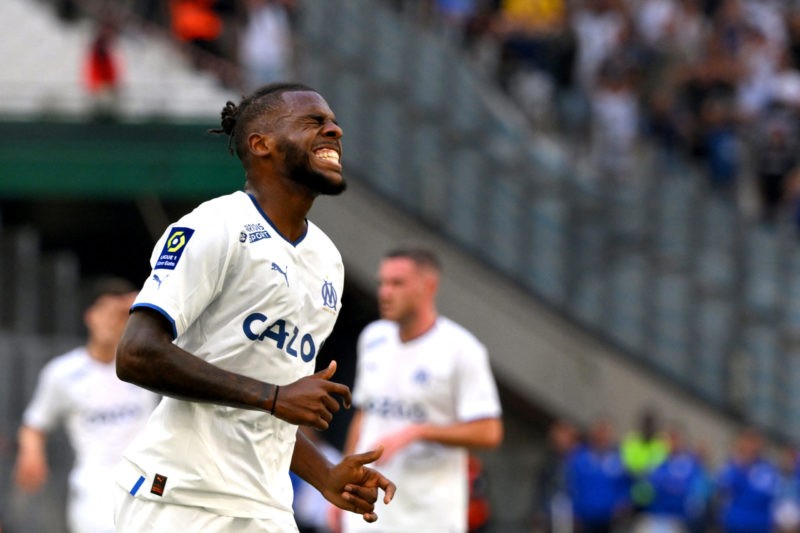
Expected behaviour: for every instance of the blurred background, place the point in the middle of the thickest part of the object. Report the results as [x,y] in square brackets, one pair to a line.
[612,185]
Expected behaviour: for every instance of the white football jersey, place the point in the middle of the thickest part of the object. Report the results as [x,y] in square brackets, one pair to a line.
[242,297]
[101,413]
[442,377]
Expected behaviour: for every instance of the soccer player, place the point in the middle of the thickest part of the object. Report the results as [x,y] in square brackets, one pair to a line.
[101,414]
[243,292]
[425,392]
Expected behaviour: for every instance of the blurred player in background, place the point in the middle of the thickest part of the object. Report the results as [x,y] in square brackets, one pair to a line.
[243,292]
[101,413]
[425,392]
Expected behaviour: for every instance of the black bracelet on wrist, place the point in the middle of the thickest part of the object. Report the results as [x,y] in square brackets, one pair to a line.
[274,400]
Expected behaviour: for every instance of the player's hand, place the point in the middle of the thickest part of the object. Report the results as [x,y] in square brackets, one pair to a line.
[352,486]
[30,472]
[312,400]
[394,442]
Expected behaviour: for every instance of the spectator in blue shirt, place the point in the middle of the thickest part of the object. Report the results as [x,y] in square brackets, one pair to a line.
[597,481]
[746,487]
[678,483]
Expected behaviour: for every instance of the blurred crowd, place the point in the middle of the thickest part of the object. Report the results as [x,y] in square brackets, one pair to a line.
[653,479]
[711,83]
[244,43]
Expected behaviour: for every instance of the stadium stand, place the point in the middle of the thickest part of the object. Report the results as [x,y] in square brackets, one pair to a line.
[45,65]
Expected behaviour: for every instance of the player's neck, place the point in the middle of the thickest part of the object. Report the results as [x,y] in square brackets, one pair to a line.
[286,211]
[419,326]
[100,352]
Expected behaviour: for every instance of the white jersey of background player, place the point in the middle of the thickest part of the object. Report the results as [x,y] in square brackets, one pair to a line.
[101,414]
[242,297]
[424,389]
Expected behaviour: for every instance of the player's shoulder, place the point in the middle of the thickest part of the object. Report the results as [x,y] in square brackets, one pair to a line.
[219,210]
[212,220]
[379,327]
[231,218]
[377,332]
[323,244]
[451,329]
[67,364]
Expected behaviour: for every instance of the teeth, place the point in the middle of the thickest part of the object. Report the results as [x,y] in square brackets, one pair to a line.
[327,154]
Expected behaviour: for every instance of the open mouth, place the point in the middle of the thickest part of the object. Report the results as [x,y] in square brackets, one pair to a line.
[329,155]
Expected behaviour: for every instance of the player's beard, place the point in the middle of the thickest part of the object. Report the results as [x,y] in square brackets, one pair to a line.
[300,170]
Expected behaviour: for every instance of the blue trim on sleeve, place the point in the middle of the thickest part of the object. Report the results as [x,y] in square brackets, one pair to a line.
[163,312]
[137,486]
[263,214]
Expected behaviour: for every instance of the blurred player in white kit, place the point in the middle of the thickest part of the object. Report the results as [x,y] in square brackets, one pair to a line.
[425,392]
[101,413]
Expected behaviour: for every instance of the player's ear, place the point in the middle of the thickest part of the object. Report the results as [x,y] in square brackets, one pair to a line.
[430,281]
[259,144]
[90,316]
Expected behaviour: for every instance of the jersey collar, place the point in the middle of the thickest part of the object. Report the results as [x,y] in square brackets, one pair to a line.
[282,236]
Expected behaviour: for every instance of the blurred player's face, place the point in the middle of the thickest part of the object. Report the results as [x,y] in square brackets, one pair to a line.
[402,288]
[749,445]
[106,318]
[601,434]
[311,143]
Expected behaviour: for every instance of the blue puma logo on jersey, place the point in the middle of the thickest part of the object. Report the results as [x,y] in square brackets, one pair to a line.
[157,280]
[285,276]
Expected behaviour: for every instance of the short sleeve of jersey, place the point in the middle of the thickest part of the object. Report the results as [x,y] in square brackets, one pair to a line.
[47,406]
[477,392]
[188,265]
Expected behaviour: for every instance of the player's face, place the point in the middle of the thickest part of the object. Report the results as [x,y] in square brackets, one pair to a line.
[401,289]
[107,317]
[311,143]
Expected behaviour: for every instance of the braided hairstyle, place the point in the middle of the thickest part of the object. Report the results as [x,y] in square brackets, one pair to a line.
[235,120]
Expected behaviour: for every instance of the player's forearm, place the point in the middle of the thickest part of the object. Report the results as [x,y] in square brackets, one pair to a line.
[31,469]
[31,441]
[309,463]
[484,433]
[147,357]
[353,432]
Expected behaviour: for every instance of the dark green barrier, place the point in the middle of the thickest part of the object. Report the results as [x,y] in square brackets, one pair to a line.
[106,160]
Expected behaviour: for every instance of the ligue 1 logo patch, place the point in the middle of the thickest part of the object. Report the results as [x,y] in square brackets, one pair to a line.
[173,248]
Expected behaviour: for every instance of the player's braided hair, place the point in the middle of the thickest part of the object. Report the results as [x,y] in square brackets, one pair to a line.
[236,120]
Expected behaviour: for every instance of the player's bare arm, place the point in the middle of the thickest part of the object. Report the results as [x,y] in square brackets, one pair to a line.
[147,357]
[31,469]
[353,431]
[484,433]
[349,485]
